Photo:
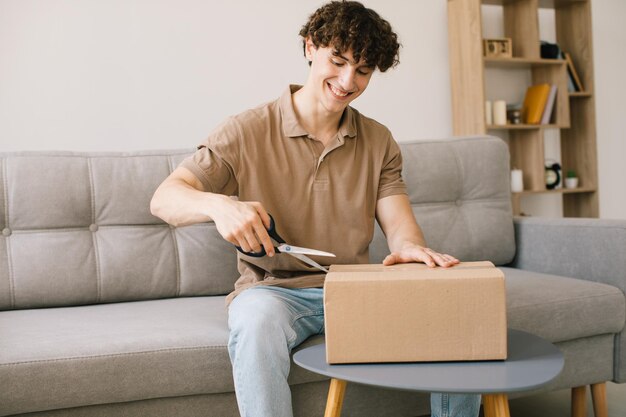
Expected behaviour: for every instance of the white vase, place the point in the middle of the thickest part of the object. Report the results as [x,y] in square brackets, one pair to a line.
[571,182]
[499,112]
[517,181]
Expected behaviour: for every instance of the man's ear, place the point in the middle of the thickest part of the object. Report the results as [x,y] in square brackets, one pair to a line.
[309,48]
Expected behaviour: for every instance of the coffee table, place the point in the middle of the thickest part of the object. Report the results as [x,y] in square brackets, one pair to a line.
[532,363]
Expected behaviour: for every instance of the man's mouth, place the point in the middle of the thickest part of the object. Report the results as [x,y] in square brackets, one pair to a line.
[338,92]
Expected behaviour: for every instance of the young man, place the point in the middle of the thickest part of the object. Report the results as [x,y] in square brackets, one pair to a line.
[324,172]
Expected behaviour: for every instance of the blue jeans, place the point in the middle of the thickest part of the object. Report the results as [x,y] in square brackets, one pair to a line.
[266,323]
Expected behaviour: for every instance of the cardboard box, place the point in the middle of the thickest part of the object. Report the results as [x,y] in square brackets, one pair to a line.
[412,313]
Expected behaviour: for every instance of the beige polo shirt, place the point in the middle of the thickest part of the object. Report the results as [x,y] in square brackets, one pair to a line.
[320,198]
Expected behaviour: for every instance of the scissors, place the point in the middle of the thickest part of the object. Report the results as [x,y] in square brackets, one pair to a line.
[283,247]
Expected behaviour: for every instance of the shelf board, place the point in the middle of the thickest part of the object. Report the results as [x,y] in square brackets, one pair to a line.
[580,94]
[543,4]
[521,62]
[558,191]
[523,127]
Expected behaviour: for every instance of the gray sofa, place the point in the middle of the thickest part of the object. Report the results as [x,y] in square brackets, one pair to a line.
[107,311]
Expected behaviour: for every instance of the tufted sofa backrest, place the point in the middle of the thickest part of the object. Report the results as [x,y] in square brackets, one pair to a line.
[76,227]
[460,193]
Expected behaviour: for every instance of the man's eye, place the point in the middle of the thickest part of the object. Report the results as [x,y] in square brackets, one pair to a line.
[337,63]
[363,72]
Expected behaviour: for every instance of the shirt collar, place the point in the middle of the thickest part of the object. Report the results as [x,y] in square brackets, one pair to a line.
[292,127]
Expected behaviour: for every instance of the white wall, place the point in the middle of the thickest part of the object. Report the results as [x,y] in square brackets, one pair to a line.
[150,74]
[139,74]
[609,43]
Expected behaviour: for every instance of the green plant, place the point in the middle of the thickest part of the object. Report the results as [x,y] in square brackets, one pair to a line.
[571,173]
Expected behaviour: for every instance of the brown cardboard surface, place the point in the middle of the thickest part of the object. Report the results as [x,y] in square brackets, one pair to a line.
[404,267]
[412,313]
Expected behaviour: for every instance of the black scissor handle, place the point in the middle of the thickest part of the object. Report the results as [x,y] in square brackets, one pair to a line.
[273,234]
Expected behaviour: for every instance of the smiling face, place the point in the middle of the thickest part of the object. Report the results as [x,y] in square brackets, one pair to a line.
[335,79]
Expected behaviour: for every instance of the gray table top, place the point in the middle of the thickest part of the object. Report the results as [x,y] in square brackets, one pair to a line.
[532,363]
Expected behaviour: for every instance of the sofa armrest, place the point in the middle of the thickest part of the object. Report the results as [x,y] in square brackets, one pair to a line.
[589,249]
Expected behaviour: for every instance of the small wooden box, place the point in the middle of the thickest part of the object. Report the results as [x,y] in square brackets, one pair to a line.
[500,48]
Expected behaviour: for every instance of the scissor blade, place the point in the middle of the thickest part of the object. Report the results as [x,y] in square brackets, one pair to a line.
[304,251]
[308,261]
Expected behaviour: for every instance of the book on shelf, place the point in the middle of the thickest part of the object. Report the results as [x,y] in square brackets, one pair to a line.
[549,107]
[571,70]
[534,103]
[571,88]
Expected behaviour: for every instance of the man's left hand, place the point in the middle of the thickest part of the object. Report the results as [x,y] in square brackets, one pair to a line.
[415,253]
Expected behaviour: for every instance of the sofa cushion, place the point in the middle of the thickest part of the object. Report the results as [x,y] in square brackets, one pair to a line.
[174,347]
[107,353]
[560,308]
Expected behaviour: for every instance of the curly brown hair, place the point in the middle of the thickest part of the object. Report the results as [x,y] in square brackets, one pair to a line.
[350,26]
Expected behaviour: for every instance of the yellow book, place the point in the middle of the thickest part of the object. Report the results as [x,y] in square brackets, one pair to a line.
[534,103]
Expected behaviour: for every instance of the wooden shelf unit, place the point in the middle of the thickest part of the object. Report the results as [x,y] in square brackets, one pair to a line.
[574,112]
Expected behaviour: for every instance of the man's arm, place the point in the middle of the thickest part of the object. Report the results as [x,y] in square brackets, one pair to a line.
[404,236]
[180,200]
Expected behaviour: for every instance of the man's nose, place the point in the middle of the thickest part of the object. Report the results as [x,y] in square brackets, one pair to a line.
[346,78]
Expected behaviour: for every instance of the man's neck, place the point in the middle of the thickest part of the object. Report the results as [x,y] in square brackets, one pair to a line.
[319,122]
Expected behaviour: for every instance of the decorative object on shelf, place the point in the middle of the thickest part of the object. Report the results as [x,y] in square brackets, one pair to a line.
[517,180]
[550,50]
[499,112]
[498,48]
[535,102]
[553,175]
[571,180]
[514,114]
[488,113]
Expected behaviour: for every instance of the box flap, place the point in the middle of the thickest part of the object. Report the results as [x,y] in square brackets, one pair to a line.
[404,267]
[412,271]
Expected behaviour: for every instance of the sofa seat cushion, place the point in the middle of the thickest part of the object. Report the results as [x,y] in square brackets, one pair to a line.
[68,357]
[559,308]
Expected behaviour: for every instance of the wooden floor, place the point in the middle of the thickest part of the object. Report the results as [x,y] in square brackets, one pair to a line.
[557,403]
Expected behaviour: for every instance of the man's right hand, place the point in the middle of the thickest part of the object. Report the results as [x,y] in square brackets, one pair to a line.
[244,224]
[181,200]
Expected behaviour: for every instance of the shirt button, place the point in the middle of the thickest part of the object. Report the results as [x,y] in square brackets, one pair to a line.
[6,232]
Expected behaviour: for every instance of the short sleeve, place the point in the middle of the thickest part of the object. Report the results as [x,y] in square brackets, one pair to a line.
[391,182]
[216,161]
